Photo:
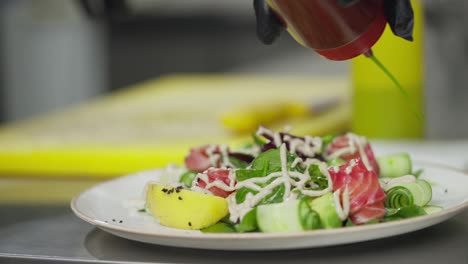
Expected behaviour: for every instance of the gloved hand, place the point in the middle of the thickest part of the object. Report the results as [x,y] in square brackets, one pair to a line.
[399,15]
[104,9]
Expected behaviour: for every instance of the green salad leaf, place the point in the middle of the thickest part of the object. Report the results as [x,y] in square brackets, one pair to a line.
[326,140]
[248,223]
[317,177]
[245,174]
[404,212]
[238,163]
[187,178]
[268,161]
[219,227]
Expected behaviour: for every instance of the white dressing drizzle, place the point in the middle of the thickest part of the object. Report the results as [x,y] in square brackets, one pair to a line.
[275,135]
[342,203]
[308,146]
[252,151]
[200,190]
[292,180]
[277,139]
[219,159]
[355,143]
[350,167]
[360,142]
[225,157]
[214,158]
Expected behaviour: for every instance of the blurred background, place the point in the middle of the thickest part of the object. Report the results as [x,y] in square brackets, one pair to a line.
[84,99]
[52,54]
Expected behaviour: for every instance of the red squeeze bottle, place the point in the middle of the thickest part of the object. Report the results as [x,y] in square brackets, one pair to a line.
[333,31]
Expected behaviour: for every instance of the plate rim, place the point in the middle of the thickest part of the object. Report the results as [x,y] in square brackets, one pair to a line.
[259,235]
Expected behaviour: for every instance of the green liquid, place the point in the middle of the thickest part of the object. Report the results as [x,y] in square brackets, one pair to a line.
[398,85]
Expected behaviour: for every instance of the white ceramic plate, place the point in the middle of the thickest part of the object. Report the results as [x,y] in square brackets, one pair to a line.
[106,206]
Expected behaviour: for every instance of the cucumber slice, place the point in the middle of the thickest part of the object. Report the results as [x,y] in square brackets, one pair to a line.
[395,165]
[426,186]
[430,209]
[325,207]
[290,216]
[408,194]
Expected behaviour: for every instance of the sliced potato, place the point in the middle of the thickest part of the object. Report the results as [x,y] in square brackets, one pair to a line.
[184,209]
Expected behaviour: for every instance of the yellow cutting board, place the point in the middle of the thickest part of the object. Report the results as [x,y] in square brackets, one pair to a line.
[152,124]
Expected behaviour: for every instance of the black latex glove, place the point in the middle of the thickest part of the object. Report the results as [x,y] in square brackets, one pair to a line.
[399,15]
[104,9]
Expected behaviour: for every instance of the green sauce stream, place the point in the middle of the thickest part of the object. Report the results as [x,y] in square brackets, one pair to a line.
[402,90]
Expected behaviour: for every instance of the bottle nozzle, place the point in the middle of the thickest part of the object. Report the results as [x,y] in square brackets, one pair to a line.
[369,53]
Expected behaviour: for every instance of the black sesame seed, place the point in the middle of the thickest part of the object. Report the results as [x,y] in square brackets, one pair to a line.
[190,224]
[164,190]
[113,220]
[180,198]
[120,221]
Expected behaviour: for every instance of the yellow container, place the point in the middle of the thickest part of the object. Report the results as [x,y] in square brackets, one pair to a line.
[379,109]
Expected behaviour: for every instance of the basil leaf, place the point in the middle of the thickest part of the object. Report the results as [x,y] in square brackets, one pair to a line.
[405,212]
[326,140]
[238,163]
[276,196]
[187,178]
[245,174]
[219,227]
[316,177]
[411,211]
[268,161]
[249,222]
[349,223]
[242,193]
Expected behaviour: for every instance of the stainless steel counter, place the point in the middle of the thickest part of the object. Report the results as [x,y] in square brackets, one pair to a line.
[52,234]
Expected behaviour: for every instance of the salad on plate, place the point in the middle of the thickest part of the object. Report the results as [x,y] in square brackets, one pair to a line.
[285,183]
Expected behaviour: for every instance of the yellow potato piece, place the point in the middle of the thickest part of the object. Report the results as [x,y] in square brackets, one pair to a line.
[185,209]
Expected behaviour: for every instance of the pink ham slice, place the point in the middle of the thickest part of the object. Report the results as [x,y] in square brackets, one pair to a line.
[343,142]
[217,175]
[198,159]
[365,194]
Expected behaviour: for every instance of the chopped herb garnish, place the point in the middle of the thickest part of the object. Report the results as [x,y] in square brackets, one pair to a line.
[142,210]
